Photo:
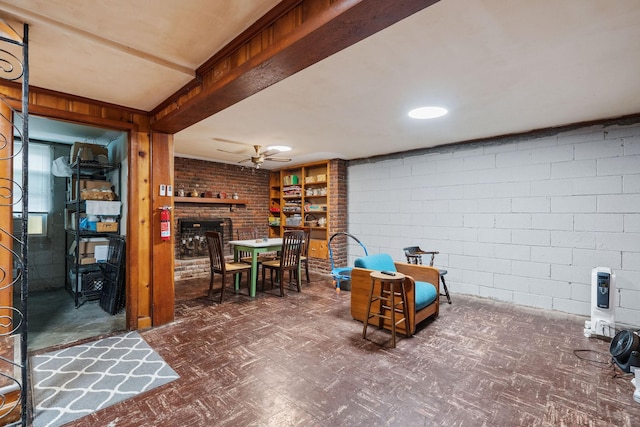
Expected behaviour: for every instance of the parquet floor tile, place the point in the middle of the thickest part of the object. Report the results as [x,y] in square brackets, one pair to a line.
[301,361]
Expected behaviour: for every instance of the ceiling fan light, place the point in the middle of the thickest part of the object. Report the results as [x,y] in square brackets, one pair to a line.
[279,147]
[430,112]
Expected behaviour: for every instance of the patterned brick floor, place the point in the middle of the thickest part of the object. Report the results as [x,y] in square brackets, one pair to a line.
[300,360]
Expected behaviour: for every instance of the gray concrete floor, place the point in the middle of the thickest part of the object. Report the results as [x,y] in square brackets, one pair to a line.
[54,320]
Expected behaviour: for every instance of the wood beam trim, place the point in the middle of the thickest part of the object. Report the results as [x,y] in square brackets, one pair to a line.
[250,33]
[34,91]
[59,106]
[319,36]
[162,268]
[209,66]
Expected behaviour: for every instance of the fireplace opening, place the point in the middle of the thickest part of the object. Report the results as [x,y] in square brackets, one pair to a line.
[191,240]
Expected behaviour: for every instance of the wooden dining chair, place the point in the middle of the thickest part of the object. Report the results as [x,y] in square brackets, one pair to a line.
[304,254]
[289,261]
[219,265]
[245,234]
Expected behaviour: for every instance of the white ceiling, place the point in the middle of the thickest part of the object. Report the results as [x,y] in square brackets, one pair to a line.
[499,66]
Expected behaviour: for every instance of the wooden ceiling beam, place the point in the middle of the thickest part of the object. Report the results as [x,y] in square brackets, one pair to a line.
[291,37]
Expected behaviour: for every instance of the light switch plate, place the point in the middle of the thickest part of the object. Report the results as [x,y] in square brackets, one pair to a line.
[163,190]
[170,190]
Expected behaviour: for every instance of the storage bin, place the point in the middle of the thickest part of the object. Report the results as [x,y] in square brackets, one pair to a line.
[293,221]
[108,208]
[106,227]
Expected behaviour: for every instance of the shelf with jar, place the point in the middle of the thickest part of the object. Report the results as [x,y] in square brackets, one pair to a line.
[275,207]
[303,199]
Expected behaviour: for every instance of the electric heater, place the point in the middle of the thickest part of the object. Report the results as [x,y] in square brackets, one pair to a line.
[603,288]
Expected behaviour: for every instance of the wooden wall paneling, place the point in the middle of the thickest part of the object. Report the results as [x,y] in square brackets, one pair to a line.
[300,33]
[139,257]
[86,108]
[48,100]
[162,171]
[6,219]
[139,228]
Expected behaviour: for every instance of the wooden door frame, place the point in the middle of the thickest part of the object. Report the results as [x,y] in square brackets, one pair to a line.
[150,159]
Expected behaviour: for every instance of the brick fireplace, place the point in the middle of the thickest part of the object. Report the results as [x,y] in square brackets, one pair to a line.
[252,185]
[191,241]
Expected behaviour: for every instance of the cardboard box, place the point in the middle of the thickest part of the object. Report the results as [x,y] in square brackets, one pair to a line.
[106,227]
[99,227]
[101,253]
[89,246]
[97,195]
[90,152]
[70,218]
[86,185]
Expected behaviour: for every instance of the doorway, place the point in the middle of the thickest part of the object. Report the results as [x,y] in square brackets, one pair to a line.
[55,317]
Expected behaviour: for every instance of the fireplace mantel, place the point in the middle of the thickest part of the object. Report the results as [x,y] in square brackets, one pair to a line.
[209,200]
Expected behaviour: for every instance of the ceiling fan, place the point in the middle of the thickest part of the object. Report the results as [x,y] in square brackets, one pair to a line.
[257,157]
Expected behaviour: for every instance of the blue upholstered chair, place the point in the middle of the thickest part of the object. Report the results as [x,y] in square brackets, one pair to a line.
[422,287]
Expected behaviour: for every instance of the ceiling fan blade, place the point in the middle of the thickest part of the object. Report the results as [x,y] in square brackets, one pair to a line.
[277,159]
[268,153]
[244,160]
[232,152]
[230,141]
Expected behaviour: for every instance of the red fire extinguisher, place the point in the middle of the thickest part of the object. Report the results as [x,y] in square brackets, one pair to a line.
[165,223]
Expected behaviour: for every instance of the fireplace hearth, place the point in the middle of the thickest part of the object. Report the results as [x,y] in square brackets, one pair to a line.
[191,241]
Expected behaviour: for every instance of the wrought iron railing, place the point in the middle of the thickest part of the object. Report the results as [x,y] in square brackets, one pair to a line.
[14,66]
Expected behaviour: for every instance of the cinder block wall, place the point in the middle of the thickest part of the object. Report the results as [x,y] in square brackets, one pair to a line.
[522,220]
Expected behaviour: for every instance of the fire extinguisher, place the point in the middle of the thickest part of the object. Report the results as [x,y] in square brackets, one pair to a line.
[165,223]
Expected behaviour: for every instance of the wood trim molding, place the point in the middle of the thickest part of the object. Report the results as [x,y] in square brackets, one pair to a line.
[295,35]
[210,201]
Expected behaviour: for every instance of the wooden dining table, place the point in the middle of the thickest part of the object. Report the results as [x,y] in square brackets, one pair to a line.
[254,247]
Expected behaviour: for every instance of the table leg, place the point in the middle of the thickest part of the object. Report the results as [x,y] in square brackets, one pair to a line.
[254,273]
[236,258]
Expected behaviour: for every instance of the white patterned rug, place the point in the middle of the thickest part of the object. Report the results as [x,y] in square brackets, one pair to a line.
[76,381]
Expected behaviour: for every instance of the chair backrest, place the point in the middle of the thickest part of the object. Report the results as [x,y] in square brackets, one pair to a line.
[413,254]
[307,238]
[412,250]
[292,245]
[376,262]
[245,233]
[216,256]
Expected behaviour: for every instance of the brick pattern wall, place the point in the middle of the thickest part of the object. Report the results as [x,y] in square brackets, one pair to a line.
[338,218]
[522,220]
[251,184]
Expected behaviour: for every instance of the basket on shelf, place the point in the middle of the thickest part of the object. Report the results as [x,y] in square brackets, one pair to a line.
[310,221]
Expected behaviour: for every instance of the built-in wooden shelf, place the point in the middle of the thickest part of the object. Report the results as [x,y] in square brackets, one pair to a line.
[210,201]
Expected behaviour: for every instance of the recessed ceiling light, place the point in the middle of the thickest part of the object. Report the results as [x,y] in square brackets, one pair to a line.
[427,112]
[279,147]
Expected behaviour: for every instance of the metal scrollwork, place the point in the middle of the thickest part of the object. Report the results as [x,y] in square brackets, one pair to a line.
[11,67]
[13,263]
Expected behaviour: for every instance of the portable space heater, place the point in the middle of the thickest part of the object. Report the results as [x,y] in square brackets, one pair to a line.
[603,288]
